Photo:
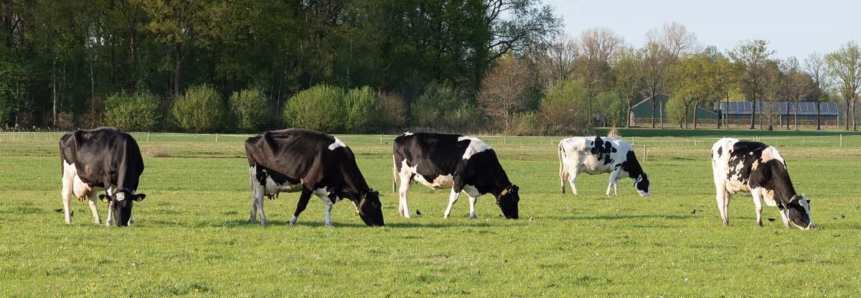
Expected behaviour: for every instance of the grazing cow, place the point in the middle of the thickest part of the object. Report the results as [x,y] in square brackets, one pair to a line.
[103,158]
[310,162]
[746,166]
[599,156]
[452,161]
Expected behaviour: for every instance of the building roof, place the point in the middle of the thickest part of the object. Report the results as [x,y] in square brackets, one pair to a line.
[804,108]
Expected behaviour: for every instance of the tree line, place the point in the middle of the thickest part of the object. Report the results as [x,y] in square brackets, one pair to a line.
[368,66]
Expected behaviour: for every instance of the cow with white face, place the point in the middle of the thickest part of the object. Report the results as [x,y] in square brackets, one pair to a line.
[746,166]
[103,158]
[597,155]
[313,163]
[463,164]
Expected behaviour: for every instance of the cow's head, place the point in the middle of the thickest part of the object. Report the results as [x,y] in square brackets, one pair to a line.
[121,204]
[798,210]
[370,209]
[507,201]
[642,185]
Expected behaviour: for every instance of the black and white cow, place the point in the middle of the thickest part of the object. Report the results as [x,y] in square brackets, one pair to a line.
[310,162]
[103,158]
[596,155]
[461,163]
[746,166]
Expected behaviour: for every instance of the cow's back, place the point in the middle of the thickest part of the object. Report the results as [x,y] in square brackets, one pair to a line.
[106,152]
[439,153]
[291,152]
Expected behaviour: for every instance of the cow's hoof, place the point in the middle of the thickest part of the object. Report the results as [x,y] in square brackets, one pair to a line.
[759,223]
[724,223]
[473,216]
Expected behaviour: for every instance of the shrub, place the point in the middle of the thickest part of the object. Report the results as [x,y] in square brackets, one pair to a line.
[525,124]
[320,107]
[563,108]
[249,109]
[362,111]
[392,111]
[140,111]
[440,107]
[200,109]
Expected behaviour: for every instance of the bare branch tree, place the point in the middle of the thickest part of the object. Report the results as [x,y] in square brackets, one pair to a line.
[629,78]
[796,85]
[816,68]
[752,58]
[503,91]
[663,47]
[596,48]
[562,54]
[845,66]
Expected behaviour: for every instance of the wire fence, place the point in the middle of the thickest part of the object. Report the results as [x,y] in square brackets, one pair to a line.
[825,141]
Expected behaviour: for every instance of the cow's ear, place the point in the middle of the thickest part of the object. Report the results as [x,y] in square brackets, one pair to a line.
[516,188]
[104,198]
[139,197]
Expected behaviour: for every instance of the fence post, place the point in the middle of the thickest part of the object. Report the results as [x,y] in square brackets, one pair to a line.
[632,141]
[381,139]
[216,138]
[645,153]
[147,136]
[505,139]
[695,141]
[841,140]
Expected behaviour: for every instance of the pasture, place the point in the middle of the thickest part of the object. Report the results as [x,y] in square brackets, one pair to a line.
[191,236]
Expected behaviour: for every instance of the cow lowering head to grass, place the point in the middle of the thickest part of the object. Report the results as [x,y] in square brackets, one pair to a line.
[597,155]
[463,164]
[746,166]
[310,162]
[103,158]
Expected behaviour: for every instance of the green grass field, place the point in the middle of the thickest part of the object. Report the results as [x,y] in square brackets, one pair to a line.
[191,236]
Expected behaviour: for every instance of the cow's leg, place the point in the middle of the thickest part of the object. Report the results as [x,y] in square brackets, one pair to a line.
[472,213]
[613,176]
[616,188]
[110,220]
[757,202]
[722,196]
[327,207]
[94,197]
[785,216]
[406,180]
[300,206]
[258,203]
[572,178]
[67,197]
[451,200]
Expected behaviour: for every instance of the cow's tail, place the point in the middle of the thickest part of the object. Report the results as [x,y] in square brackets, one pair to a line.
[563,172]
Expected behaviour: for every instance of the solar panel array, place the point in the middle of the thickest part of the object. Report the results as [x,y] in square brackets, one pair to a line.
[804,108]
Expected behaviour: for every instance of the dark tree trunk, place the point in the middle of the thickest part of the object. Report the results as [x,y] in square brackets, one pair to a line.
[818,115]
[796,116]
[696,107]
[753,114]
[176,71]
[662,114]
[846,120]
[654,105]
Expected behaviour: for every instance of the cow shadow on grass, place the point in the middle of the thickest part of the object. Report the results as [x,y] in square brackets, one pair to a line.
[243,223]
[626,217]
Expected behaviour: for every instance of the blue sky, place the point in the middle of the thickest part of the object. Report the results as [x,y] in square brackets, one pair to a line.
[793,27]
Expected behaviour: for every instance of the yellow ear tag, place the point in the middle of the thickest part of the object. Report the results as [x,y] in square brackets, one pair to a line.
[504,191]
